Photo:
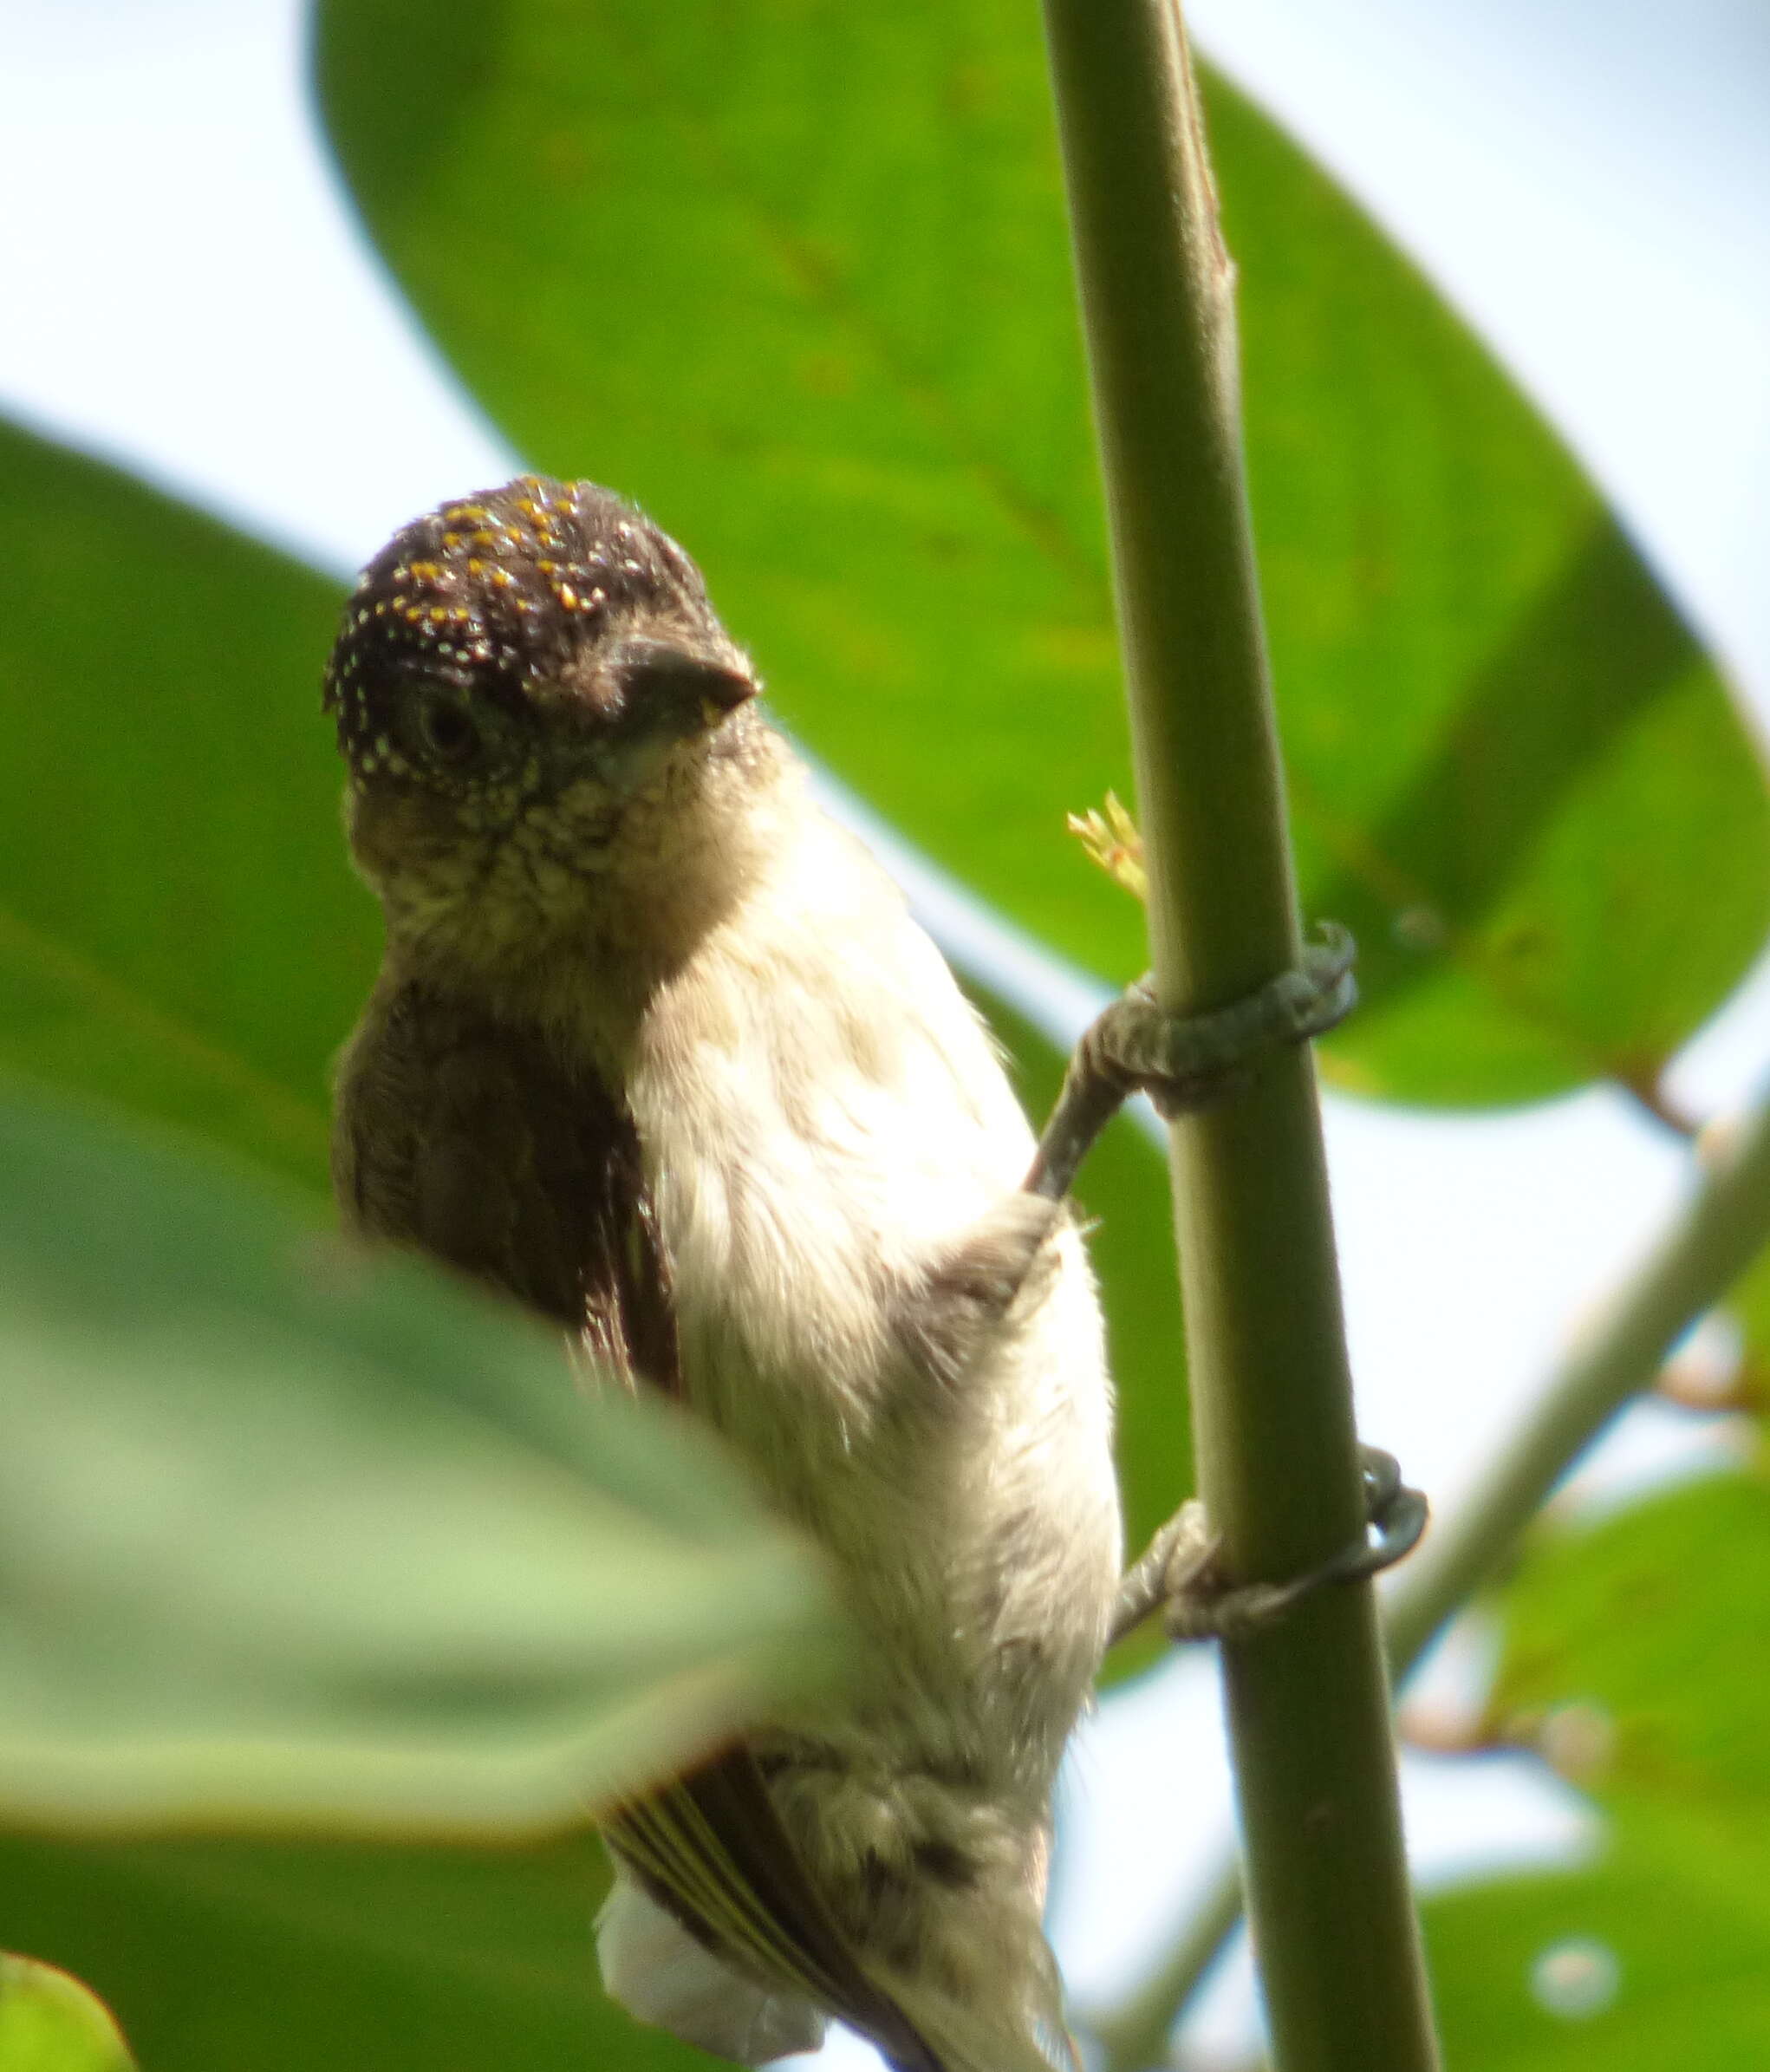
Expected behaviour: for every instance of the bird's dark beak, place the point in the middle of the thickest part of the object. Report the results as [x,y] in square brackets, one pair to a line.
[674,689]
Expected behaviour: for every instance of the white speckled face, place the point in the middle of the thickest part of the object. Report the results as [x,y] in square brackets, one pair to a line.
[485,625]
[513,672]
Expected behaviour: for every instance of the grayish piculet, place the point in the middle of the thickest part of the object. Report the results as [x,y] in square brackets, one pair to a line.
[656,1049]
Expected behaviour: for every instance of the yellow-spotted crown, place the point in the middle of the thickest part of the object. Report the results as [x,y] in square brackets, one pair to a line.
[472,609]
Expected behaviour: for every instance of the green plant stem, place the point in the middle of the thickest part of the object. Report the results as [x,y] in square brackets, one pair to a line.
[1720,1232]
[1333,1922]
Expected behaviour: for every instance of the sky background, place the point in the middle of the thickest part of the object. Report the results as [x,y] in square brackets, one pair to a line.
[185,291]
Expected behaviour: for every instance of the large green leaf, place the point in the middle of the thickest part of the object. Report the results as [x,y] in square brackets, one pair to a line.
[1658,1619]
[284,1956]
[179,929]
[796,276]
[1634,1655]
[287,1534]
[1652,1957]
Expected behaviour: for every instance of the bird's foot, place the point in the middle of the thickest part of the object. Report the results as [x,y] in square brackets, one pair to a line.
[1178,1575]
[1186,1062]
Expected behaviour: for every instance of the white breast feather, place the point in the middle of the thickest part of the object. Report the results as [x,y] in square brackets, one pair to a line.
[822,1112]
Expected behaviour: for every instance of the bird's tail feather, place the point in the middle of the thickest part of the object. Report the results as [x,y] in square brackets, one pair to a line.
[709,1849]
[960,2041]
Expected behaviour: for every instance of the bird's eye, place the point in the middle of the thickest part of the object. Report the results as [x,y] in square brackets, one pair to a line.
[449,733]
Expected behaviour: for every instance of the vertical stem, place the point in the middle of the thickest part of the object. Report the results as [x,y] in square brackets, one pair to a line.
[1332,1919]
[1718,1233]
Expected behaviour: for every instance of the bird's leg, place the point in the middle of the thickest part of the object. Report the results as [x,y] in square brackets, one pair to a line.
[955,1306]
[1185,1062]
[1134,1047]
[1177,1574]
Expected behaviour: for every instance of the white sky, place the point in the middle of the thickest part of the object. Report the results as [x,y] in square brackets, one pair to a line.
[1590,182]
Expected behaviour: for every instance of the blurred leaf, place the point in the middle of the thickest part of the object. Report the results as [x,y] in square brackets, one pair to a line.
[797,276]
[1651,1957]
[178,928]
[291,1535]
[1748,1304]
[1634,1659]
[50,2022]
[285,1956]
[1655,1622]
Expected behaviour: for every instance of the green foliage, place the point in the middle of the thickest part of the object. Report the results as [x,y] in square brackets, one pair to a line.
[799,281]
[50,2022]
[229,1952]
[284,1538]
[1664,1934]
[1749,1308]
[1632,1658]
[296,1536]
[1637,1620]
[179,930]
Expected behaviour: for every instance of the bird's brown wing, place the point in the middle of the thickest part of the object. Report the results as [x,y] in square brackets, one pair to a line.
[466,1138]
[712,1851]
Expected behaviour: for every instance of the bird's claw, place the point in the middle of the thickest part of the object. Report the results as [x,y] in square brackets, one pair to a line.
[1185,1062]
[1178,1575]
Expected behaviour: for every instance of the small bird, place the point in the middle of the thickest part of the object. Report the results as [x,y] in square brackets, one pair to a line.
[657,1049]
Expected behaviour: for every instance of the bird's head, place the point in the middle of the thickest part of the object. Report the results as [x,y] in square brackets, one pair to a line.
[532,690]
